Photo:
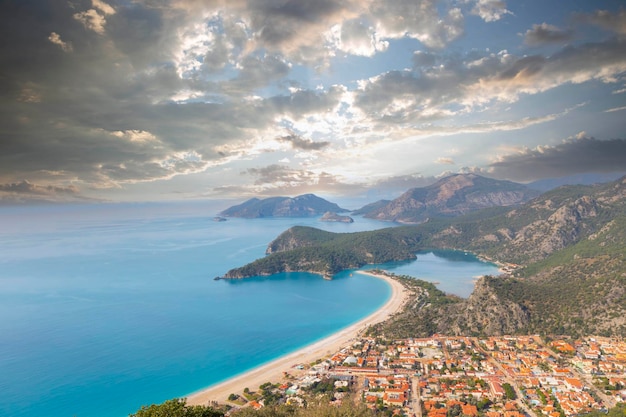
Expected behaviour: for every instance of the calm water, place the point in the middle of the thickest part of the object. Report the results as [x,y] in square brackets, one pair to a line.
[106,308]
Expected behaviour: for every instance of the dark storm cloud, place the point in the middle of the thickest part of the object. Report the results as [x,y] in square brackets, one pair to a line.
[571,157]
[298,142]
[545,33]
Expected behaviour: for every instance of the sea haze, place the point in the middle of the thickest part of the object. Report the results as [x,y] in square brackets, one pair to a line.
[105,308]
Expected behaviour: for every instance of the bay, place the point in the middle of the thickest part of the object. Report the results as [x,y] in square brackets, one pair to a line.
[104,308]
[454,272]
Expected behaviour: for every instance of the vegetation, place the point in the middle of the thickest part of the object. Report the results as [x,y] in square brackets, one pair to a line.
[570,241]
[418,316]
[618,411]
[177,408]
[509,392]
[328,253]
[348,408]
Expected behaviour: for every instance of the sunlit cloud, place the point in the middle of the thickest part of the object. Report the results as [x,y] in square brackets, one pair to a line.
[116,94]
[490,10]
[55,38]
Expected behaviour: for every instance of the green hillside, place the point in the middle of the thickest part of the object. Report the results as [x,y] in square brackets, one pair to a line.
[569,243]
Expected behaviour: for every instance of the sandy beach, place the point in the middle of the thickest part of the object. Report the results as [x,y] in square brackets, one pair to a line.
[273,371]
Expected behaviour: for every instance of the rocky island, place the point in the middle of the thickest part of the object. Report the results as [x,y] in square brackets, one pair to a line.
[329,216]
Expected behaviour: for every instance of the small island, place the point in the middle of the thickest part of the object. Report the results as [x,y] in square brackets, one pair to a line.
[219,219]
[330,216]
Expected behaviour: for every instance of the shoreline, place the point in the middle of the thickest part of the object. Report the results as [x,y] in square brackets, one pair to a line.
[274,370]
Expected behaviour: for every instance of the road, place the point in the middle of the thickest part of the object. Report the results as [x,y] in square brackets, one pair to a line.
[506,377]
[416,396]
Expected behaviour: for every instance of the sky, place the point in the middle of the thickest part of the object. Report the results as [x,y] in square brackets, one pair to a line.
[149,100]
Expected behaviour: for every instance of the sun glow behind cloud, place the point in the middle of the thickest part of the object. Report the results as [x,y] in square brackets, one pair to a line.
[144,92]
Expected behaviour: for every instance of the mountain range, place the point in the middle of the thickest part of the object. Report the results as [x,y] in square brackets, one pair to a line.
[451,196]
[565,249]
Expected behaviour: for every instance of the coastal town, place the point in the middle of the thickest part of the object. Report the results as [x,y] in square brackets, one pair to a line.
[439,376]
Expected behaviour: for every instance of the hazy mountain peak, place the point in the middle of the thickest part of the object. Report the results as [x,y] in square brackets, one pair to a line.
[452,196]
[305,205]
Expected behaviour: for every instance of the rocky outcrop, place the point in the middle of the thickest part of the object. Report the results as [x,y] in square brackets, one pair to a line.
[563,226]
[485,313]
[334,217]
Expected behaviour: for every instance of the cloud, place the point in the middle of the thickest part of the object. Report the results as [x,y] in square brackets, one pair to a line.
[312,32]
[154,89]
[280,175]
[474,81]
[297,142]
[256,72]
[95,19]
[490,10]
[404,182]
[614,109]
[419,20]
[545,33]
[579,155]
[26,187]
[611,21]
[356,37]
[445,161]
[283,180]
[55,38]
[26,192]
[456,85]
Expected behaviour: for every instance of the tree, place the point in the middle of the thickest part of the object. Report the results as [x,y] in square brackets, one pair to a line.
[509,391]
[454,411]
[176,407]
[483,404]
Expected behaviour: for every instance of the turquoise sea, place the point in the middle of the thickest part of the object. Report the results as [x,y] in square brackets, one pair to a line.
[104,308]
